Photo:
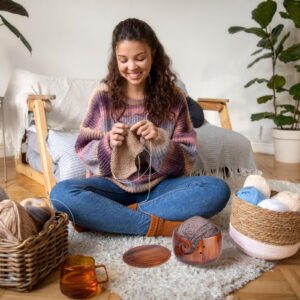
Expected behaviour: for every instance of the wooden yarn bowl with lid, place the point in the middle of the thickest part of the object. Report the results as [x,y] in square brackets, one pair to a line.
[206,251]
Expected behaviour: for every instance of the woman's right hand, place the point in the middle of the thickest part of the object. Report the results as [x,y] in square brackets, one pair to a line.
[118,134]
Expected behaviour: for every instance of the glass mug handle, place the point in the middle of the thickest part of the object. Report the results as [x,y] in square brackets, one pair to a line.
[106,279]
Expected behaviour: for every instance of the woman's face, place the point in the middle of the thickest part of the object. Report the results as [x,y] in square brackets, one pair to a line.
[134,61]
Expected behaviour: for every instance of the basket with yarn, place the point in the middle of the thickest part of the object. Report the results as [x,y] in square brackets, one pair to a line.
[33,241]
[267,229]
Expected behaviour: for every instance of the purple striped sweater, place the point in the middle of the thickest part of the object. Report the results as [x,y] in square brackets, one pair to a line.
[172,152]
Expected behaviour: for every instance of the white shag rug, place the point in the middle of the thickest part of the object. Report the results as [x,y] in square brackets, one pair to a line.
[174,279]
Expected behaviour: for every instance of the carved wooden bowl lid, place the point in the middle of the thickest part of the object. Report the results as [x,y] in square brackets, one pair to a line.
[146,256]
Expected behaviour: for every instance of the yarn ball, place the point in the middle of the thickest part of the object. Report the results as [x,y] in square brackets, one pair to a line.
[39,210]
[15,223]
[259,183]
[3,194]
[289,199]
[273,204]
[251,195]
[197,228]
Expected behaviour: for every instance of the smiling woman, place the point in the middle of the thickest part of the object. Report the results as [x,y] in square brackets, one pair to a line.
[138,143]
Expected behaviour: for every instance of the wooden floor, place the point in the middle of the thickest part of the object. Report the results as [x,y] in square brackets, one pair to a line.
[283,282]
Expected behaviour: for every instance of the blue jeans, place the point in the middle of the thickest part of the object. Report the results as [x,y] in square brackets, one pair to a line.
[99,204]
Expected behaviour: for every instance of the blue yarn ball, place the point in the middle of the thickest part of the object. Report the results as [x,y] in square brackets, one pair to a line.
[251,195]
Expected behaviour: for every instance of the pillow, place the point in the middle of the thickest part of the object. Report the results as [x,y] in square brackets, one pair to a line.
[61,146]
[196,112]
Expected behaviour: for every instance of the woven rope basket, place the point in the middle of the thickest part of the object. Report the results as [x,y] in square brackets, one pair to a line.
[23,265]
[267,226]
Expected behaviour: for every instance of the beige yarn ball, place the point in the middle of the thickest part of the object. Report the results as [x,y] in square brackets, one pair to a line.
[289,199]
[15,223]
[259,183]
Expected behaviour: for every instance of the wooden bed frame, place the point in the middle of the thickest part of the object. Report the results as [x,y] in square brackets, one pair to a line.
[40,104]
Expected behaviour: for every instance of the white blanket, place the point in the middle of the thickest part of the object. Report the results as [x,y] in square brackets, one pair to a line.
[68,108]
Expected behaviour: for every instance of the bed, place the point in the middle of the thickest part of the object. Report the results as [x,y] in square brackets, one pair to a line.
[46,127]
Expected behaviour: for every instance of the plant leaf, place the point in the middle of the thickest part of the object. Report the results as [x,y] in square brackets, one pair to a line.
[280,90]
[17,33]
[264,43]
[279,47]
[295,91]
[13,7]
[289,108]
[267,55]
[264,13]
[258,80]
[281,120]
[292,8]
[257,31]
[290,54]
[284,15]
[276,32]
[235,29]
[257,51]
[297,67]
[262,115]
[276,82]
[264,99]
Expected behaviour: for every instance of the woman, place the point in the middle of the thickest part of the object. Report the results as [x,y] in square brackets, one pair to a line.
[138,142]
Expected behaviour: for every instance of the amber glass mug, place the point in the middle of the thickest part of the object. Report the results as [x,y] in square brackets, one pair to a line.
[78,278]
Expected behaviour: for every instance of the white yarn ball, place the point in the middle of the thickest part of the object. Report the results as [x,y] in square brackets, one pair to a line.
[289,199]
[273,204]
[259,183]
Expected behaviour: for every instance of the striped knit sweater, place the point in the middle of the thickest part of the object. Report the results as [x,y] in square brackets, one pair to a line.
[172,153]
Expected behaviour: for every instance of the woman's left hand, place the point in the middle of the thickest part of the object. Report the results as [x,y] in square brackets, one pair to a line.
[146,129]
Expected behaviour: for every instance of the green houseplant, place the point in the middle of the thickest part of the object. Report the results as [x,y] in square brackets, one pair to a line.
[271,45]
[15,8]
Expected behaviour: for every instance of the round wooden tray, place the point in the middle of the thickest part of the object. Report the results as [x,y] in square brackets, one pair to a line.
[146,256]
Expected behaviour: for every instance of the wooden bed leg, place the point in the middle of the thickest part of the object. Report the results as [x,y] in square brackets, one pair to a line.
[42,132]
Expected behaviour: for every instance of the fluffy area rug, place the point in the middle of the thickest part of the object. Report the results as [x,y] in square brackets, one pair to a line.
[174,279]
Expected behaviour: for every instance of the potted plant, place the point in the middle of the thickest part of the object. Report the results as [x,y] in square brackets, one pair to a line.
[286,100]
[15,8]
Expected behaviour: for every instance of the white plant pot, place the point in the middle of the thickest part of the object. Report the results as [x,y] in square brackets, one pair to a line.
[287,145]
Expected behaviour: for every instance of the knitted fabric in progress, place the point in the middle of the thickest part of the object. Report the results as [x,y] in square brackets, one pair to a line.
[123,159]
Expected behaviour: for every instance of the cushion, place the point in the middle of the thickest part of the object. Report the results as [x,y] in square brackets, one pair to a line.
[61,146]
[196,112]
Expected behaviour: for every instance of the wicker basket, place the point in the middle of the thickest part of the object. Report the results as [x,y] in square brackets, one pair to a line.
[25,264]
[264,233]
[277,228]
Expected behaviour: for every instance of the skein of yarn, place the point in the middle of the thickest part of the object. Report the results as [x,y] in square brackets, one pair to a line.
[39,210]
[259,183]
[15,223]
[251,195]
[289,199]
[273,204]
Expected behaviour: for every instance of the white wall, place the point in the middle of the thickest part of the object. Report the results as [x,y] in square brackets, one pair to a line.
[72,38]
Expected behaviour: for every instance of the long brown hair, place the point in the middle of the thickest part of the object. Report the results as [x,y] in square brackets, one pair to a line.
[160,92]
